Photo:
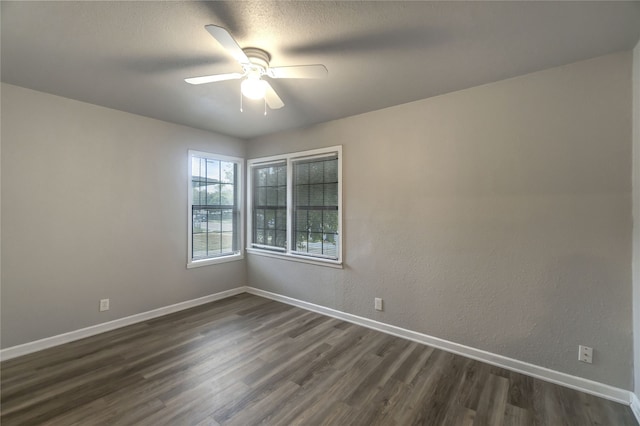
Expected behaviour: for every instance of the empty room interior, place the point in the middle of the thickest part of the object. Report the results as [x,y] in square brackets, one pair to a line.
[340,213]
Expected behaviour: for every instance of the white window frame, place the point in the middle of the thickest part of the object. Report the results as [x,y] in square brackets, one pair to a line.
[191,263]
[288,253]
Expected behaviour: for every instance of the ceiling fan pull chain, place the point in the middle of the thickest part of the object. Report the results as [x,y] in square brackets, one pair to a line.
[265,106]
[241,102]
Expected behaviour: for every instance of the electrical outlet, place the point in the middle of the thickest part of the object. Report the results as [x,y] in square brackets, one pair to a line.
[585,354]
[378,303]
[104,305]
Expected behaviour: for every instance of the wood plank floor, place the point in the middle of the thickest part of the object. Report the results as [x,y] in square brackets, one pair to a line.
[247,360]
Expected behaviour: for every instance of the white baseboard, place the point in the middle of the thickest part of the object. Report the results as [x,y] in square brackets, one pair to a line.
[635,406]
[71,336]
[584,385]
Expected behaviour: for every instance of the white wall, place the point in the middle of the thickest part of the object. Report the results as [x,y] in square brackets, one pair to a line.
[497,217]
[636,217]
[94,205]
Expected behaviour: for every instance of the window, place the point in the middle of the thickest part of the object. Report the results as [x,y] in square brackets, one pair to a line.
[270,206]
[315,206]
[215,221]
[295,205]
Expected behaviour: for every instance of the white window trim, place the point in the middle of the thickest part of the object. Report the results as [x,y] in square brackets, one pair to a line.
[288,254]
[296,258]
[239,176]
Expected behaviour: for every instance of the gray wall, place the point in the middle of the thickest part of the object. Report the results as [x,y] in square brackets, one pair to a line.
[636,217]
[94,205]
[498,217]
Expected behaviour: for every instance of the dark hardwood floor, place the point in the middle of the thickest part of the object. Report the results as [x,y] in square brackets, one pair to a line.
[247,360]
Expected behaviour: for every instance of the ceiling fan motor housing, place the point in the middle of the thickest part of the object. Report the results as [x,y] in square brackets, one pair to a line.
[259,60]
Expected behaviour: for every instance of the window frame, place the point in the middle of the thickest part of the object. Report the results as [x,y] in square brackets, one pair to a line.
[288,253]
[239,186]
[252,204]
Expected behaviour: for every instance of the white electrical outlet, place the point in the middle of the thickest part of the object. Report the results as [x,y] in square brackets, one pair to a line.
[378,303]
[104,305]
[585,354]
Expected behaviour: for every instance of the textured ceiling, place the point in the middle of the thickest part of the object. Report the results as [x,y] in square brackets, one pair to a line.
[134,56]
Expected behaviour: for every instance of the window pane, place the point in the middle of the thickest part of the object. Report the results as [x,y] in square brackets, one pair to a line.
[331,171]
[315,221]
[281,219]
[213,171]
[302,174]
[270,227]
[226,242]
[259,219]
[196,192]
[316,195]
[262,196]
[213,244]
[302,195]
[272,176]
[227,220]
[270,237]
[213,221]
[227,174]
[199,221]
[331,194]
[329,247]
[330,221]
[316,172]
[282,175]
[272,196]
[203,169]
[262,176]
[270,217]
[227,196]
[202,190]
[213,195]
[315,243]
[199,249]
[282,196]
[301,221]
[301,241]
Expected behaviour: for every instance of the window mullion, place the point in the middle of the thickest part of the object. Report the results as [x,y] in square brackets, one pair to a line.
[290,235]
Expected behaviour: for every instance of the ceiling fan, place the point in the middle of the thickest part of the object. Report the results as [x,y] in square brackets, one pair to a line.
[255,66]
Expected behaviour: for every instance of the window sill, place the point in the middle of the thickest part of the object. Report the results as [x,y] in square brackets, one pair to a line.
[215,260]
[292,257]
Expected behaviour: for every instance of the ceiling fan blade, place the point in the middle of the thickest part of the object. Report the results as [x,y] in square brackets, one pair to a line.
[272,98]
[214,78]
[299,71]
[228,42]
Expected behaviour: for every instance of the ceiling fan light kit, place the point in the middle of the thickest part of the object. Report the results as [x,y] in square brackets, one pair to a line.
[253,87]
[255,66]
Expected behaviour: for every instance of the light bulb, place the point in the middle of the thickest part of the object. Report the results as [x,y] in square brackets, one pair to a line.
[253,88]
